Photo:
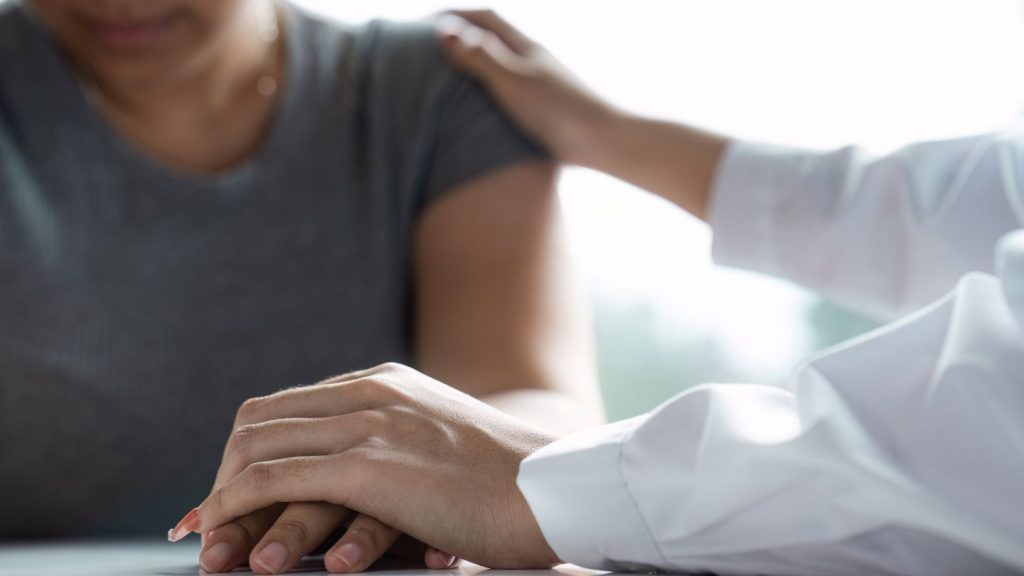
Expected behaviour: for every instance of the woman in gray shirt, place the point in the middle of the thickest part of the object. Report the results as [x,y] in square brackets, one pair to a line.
[203,201]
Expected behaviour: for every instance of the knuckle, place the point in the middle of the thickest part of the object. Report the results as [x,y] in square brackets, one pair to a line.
[376,385]
[362,423]
[239,534]
[241,441]
[246,413]
[368,534]
[293,530]
[260,476]
[356,460]
[350,465]
[361,387]
[375,421]
[391,367]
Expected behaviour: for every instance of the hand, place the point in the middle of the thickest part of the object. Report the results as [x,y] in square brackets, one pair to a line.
[547,101]
[275,538]
[394,445]
[671,160]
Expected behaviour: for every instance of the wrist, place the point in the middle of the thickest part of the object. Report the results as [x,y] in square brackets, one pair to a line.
[534,549]
[594,139]
[674,161]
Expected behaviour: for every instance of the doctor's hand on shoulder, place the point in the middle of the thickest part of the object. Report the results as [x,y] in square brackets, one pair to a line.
[394,445]
[547,100]
[551,105]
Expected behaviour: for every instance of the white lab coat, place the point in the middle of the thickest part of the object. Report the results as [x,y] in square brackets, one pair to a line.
[901,452]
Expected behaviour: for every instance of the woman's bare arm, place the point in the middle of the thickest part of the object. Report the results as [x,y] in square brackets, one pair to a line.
[498,314]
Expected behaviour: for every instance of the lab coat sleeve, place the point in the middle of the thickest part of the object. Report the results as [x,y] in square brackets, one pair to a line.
[885,235]
[898,453]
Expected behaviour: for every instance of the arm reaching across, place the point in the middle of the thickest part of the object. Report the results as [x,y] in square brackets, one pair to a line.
[883,234]
[897,454]
[886,234]
[576,125]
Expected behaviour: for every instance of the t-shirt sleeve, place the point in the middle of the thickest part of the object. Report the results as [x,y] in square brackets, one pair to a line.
[472,138]
[446,128]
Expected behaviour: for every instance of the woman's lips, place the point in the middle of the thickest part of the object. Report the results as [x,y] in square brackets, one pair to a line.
[131,36]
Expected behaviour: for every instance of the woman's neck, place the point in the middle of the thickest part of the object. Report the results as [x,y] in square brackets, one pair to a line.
[231,69]
[209,116]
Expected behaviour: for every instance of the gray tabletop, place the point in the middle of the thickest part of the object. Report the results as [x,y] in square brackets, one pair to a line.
[155,558]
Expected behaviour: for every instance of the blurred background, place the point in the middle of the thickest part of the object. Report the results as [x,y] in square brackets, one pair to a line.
[816,73]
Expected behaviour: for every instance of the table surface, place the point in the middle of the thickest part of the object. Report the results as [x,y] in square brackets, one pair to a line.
[154,558]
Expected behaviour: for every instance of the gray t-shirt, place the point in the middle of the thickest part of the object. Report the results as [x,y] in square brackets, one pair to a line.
[139,306]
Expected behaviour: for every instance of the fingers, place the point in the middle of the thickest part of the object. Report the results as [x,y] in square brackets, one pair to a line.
[479,51]
[493,22]
[342,395]
[365,541]
[296,532]
[408,548]
[298,479]
[228,547]
[437,560]
[276,439]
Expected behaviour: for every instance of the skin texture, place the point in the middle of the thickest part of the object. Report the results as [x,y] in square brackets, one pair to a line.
[360,440]
[579,127]
[395,445]
[498,312]
[497,317]
[176,78]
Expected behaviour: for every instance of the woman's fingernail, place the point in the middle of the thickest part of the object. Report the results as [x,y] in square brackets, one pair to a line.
[216,558]
[272,557]
[188,524]
[442,558]
[349,554]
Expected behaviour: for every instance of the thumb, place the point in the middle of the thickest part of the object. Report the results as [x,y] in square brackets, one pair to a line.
[478,52]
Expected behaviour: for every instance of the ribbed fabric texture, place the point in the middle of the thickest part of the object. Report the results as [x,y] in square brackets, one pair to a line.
[139,306]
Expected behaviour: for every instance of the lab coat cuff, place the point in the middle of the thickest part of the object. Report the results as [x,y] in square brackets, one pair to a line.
[750,186]
[582,503]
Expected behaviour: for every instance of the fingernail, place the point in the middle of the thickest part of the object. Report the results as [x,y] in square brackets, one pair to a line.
[188,524]
[216,558]
[349,554]
[272,557]
[443,558]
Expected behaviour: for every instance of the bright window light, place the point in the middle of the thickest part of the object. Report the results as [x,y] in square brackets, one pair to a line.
[815,73]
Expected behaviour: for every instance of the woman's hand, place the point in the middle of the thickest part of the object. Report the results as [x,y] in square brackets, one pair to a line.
[274,539]
[542,96]
[394,445]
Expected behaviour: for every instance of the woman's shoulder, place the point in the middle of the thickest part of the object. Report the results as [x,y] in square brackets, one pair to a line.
[380,57]
[12,30]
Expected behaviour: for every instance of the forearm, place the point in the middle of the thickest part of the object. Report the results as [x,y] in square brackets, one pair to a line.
[671,160]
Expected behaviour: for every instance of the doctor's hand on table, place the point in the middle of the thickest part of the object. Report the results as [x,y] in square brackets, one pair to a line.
[396,446]
[273,539]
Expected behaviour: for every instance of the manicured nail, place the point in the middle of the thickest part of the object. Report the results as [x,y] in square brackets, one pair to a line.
[187,525]
[349,554]
[272,557]
[216,558]
[442,558]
